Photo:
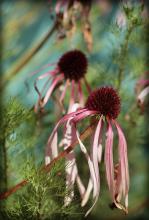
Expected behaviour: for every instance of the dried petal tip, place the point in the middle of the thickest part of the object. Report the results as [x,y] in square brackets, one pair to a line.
[106,101]
[73,65]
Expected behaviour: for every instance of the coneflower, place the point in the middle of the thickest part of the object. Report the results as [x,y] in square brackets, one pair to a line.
[103,105]
[70,70]
[68,12]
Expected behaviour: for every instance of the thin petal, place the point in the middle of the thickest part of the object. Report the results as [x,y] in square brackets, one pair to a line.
[42,68]
[123,162]
[72,96]
[64,91]
[87,193]
[95,155]
[84,114]
[60,122]
[109,160]
[52,150]
[81,186]
[50,90]
[99,153]
[81,96]
[87,85]
[143,94]
[92,171]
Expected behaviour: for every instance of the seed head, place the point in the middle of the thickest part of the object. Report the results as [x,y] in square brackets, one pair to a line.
[106,101]
[73,65]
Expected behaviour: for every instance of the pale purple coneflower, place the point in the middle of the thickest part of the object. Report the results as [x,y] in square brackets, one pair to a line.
[70,72]
[103,105]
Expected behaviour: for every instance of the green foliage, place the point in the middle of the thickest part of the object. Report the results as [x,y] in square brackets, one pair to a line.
[13,114]
[116,52]
[43,197]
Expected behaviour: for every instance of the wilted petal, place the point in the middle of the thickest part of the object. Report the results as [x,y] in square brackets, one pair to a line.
[123,161]
[99,153]
[92,171]
[84,114]
[81,96]
[50,90]
[143,95]
[87,193]
[52,150]
[95,155]
[64,91]
[71,173]
[109,159]
[59,5]
[71,167]
[72,96]
[80,186]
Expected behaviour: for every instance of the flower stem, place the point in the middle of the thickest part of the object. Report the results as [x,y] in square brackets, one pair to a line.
[28,56]
[123,55]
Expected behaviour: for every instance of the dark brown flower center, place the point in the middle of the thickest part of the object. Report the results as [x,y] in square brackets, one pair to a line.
[73,65]
[106,101]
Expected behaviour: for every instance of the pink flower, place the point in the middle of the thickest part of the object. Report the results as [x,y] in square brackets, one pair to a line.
[70,71]
[103,105]
[142,90]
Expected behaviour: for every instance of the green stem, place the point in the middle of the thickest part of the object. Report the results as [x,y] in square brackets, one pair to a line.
[123,55]
[28,56]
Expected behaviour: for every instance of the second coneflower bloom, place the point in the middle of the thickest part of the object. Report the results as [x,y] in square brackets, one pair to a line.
[69,71]
[103,106]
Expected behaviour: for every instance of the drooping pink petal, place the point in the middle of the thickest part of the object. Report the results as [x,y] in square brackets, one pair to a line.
[80,92]
[143,94]
[84,114]
[39,78]
[92,171]
[109,159]
[72,96]
[60,122]
[123,163]
[99,153]
[94,153]
[42,68]
[71,173]
[52,150]
[71,167]
[50,74]
[80,186]
[70,134]
[87,193]
[50,90]
[118,189]
[87,86]
[64,91]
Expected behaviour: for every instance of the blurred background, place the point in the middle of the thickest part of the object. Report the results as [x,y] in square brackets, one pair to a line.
[29,42]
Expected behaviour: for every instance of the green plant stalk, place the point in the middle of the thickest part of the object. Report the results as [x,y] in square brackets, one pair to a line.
[123,55]
[28,56]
